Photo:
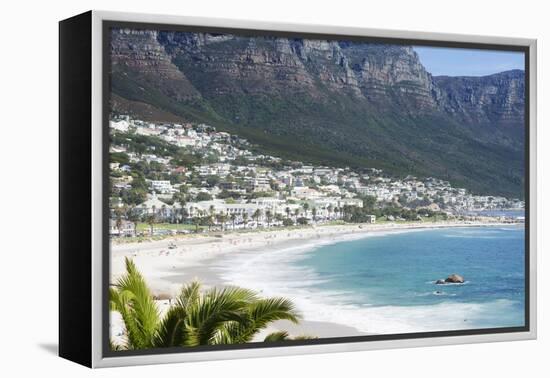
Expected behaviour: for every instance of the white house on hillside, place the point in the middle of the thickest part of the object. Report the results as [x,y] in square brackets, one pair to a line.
[161,186]
[155,206]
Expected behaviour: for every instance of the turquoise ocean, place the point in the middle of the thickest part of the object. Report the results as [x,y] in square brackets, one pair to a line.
[385,282]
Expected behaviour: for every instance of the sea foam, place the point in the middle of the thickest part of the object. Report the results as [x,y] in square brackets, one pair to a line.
[278,272]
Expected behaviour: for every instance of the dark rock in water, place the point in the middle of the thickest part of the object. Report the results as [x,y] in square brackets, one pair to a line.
[454,278]
[440,282]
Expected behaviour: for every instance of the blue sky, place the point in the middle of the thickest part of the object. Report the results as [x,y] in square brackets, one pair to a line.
[468,62]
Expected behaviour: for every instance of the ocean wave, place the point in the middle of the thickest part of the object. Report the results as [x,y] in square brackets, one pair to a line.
[477,237]
[436,292]
[444,316]
[278,273]
[485,233]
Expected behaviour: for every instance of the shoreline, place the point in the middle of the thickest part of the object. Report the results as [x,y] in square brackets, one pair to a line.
[195,257]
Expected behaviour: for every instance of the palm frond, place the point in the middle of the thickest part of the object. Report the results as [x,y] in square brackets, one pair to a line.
[267,310]
[217,316]
[206,318]
[118,301]
[276,336]
[189,295]
[283,336]
[172,330]
[259,314]
[114,347]
[132,298]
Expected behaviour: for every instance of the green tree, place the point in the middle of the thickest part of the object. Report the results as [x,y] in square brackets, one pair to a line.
[210,222]
[287,222]
[133,216]
[337,212]
[302,221]
[151,220]
[212,180]
[222,219]
[180,197]
[203,196]
[245,219]
[257,214]
[369,202]
[119,157]
[211,212]
[163,211]
[305,206]
[346,212]
[230,315]
[120,214]
[197,221]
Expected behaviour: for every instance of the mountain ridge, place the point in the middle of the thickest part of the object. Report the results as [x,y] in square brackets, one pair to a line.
[366,104]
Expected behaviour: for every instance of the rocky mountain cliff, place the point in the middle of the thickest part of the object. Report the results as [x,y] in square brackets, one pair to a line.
[495,100]
[333,102]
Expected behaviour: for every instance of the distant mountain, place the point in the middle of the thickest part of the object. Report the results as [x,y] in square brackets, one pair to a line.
[496,102]
[330,102]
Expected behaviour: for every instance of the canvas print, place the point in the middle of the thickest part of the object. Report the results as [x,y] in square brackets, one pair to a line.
[283,189]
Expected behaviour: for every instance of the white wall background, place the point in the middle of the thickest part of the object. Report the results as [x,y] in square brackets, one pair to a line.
[28,119]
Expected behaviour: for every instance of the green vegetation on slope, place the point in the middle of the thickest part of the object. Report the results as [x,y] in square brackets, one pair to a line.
[345,130]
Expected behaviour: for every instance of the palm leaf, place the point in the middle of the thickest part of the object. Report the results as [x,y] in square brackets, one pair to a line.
[132,298]
[206,317]
[172,330]
[283,336]
[268,310]
[119,302]
[276,336]
[218,316]
[189,295]
[259,314]
[114,347]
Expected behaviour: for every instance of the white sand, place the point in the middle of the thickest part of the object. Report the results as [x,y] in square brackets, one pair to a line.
[167,269]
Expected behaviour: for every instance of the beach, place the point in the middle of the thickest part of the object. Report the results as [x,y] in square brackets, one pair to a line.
[169,263]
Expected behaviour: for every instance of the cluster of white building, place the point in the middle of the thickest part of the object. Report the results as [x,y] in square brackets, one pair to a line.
[317,193]
[260,210]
